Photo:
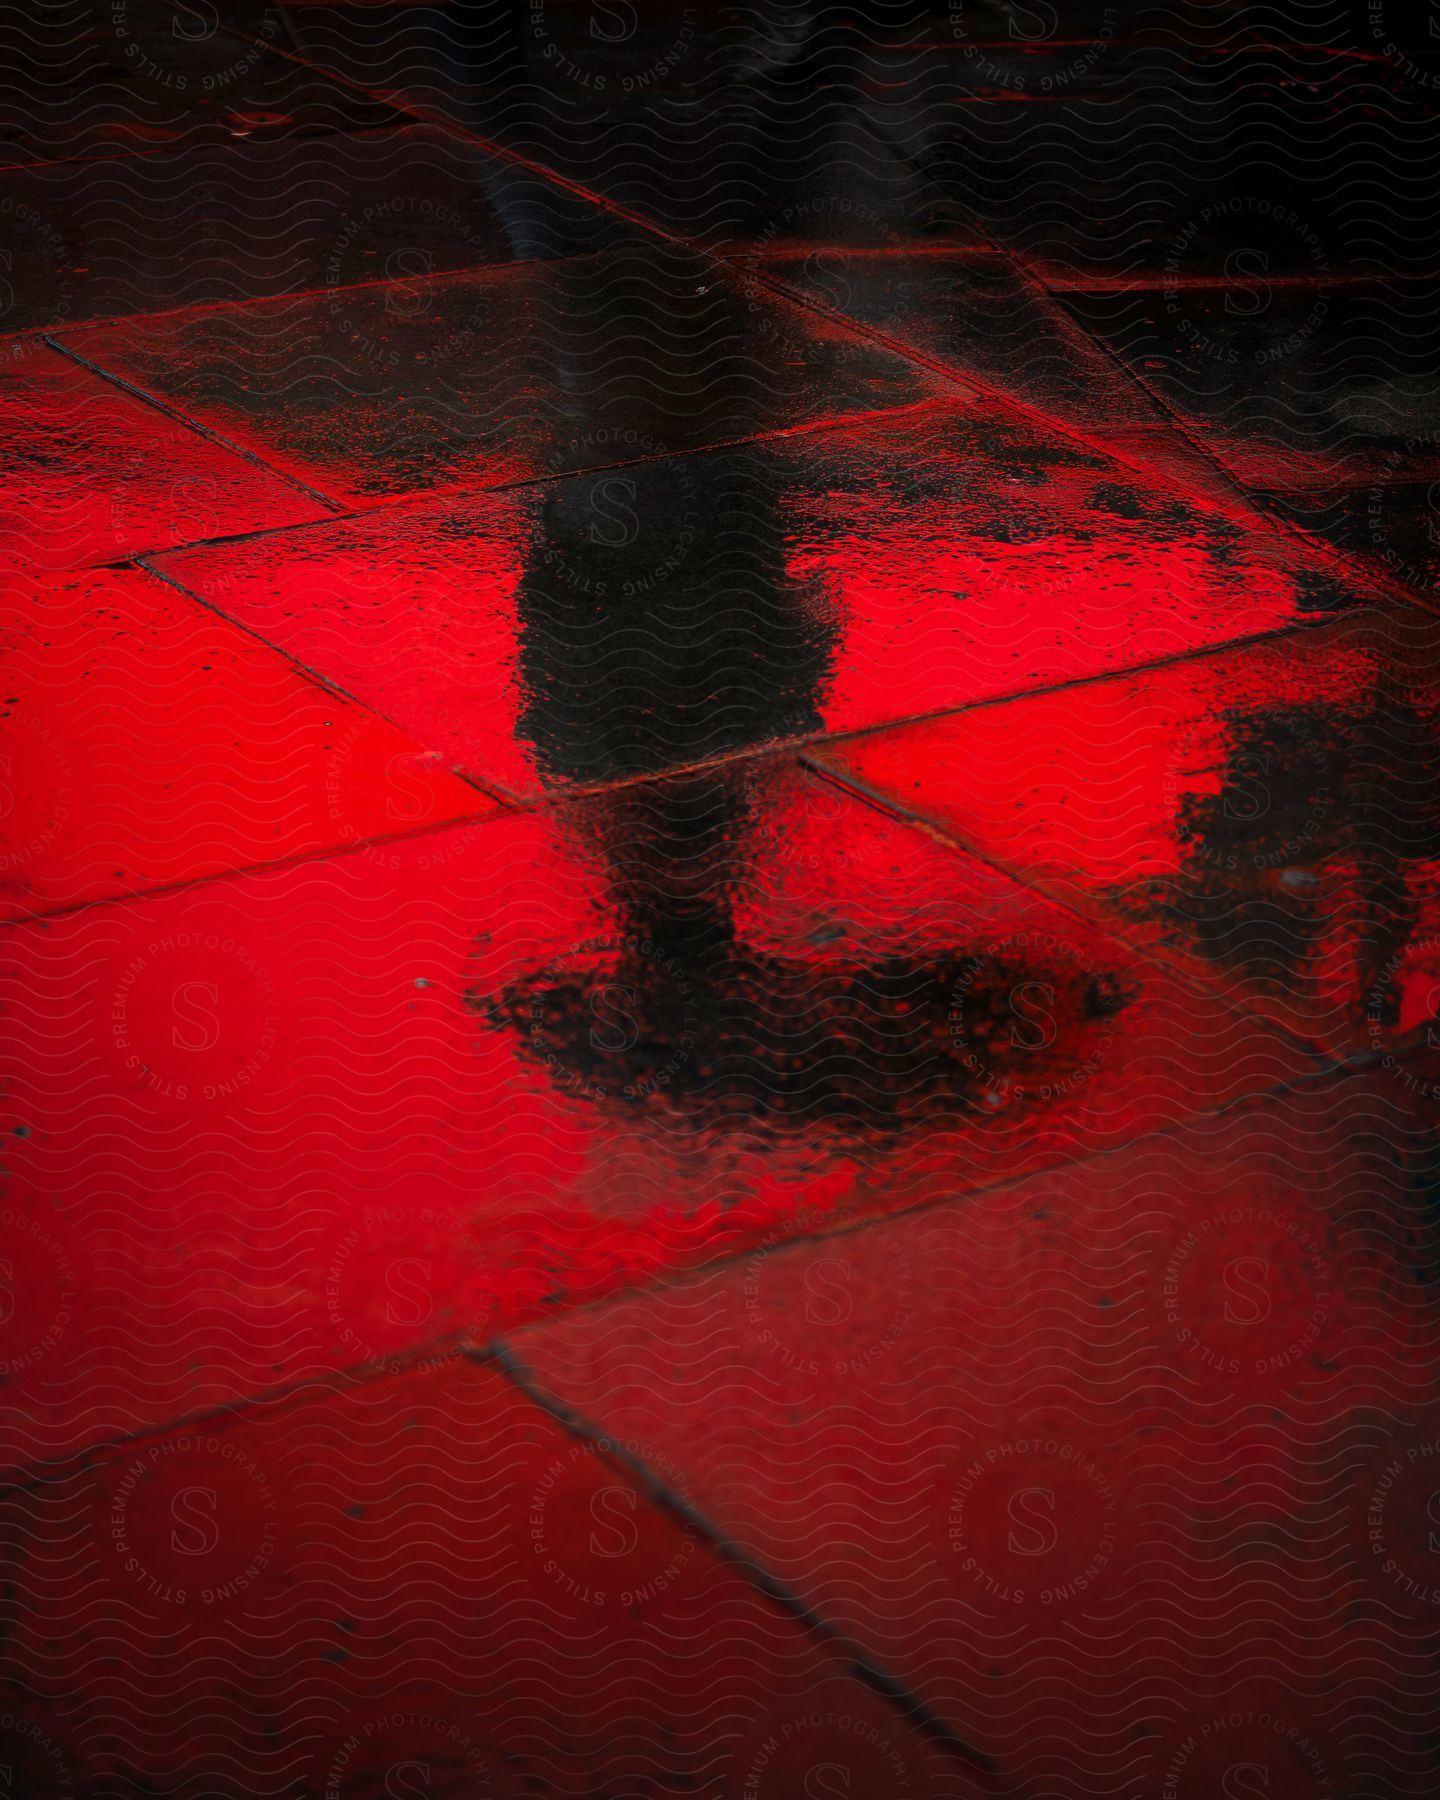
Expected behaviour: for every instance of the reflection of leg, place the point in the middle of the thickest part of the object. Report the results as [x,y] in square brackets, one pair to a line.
[482,46]
[482,42]
[774,39]
[799,97]
[526,208]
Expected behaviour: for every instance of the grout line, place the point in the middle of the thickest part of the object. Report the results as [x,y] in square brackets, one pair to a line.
[1293,628]
[402,1362]
[1232,998]
[97,156]
[803,749]
[504,808]
[242,871]
[314,676]
[920,1717]
[856,1225]
[1147,281]
[23,1477]
[104,321]
[406,107]
[1340,563]
[414,501]
[495,268]
[1032,285]
[1260,520]
[491,789]
[1183,427]
[806,743]
[803,744]
[173,412]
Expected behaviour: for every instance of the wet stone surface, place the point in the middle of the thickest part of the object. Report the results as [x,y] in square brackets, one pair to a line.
[149,74]
[495,378]
[669,609]
[545,1054]
[721,875]
[1295,380]
[241,218]
[1267,814]
[180,747]
[92,475]
[505,1528]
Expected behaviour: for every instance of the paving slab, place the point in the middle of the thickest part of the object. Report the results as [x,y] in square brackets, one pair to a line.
[149,74]
[984,314]
[1195,160]
[722,1043]
[313,1117]
[1295,381]
[147,741]
[1266,815]
[665,610]
[1087,1457]
[421,1583]
[239,219]
[93,475]
[1388,522]
[502,376]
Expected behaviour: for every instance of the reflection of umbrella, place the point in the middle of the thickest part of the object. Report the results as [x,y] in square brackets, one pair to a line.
[1351,793]
[855,1046]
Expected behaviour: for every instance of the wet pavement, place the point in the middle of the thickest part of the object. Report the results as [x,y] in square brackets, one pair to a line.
[720,784]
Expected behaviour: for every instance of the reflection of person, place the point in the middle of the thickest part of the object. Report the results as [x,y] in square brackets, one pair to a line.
[751,121]
[1352,790]
[658,627]
[657,624]
[479,47]
[678,1009]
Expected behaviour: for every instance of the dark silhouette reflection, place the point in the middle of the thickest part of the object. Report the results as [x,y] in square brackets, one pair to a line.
[658,626]
[678,1011]
[1323,817]
[714,121]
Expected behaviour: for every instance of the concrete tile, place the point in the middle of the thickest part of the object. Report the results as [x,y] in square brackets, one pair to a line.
[676,608]
[147,741]
[243,218]
[1265,815]
[1082,1458]
[1392,524]
[981,314]
[149,75]
[1301,380]
[502,376]
[335,1113]
[420,1581]
[93,475]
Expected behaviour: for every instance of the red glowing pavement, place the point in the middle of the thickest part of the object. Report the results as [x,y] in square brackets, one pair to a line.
[721,935]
